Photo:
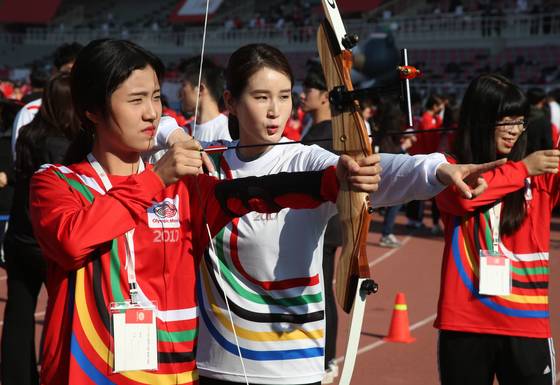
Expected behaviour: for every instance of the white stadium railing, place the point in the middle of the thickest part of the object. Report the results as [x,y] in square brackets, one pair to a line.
[423,28]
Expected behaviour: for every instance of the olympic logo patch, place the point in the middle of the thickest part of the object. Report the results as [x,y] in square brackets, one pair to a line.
[164,214]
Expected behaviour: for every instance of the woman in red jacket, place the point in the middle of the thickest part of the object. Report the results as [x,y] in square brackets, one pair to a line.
[121,238]
[493,310]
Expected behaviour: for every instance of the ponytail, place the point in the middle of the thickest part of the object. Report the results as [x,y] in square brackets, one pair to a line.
[233,126]
[80,147]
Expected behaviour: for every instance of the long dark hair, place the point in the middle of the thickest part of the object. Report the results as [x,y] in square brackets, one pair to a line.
[100,68]
[488,99]
[243,63]
[56,117]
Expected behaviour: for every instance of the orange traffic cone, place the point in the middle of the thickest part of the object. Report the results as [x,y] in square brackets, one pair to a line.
[399,330]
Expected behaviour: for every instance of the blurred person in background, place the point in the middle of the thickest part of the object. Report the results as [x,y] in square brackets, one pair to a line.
[38,79]
[8,111]
[539,127]
[554,107]
[211,124]
[44,140]
[389,119]
[63,60]
[294,126]
[427,143]
[168,111]
[315,101]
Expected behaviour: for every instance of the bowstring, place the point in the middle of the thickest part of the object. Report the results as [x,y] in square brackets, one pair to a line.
[210,238]
[200,67]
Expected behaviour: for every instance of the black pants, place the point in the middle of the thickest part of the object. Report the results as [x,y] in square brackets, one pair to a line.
[415,210]
[26,273]
[435,212]
[331,316]
[472,358]
[212,381]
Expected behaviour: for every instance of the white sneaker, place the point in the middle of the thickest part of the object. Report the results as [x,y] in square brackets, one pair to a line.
[330,374]
[389,241]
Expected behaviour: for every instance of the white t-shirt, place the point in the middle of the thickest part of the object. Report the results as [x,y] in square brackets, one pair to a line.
[270,268]
[215,130]
[23,117]
[212,130]
[555,114]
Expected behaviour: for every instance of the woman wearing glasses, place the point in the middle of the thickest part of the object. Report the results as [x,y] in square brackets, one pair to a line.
[493,310]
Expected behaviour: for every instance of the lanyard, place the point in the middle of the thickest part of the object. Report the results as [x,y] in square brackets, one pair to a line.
[495,225]
[128,236]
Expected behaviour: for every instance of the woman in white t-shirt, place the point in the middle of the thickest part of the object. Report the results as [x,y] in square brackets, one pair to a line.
[264,270]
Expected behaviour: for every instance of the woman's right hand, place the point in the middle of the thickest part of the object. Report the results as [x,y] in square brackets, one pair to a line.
[183,158]
[3,179]
[542,162]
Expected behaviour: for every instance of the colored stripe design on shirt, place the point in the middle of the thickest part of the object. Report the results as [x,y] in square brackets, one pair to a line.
[226,270]
[267,285]
[251,334]
[257,355]
[266,316]
[521,303]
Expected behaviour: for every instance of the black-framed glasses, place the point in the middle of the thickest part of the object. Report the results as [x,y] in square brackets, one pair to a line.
[506,126]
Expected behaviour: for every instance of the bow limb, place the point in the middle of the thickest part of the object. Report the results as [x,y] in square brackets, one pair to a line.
[350,137]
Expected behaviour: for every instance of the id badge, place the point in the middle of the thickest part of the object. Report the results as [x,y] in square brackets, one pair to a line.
[134,337]
[494,274]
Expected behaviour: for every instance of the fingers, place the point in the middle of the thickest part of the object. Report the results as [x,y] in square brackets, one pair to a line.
[554,152]
[369,160]
[362,175]
[481,186]
[365,183]
[191,144]
[347,165]
[462,186]
[364,167]
[177,136]
[481,168]
[542,162]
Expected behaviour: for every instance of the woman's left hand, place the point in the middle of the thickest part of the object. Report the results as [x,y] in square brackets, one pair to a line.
[467,177]
[362,175]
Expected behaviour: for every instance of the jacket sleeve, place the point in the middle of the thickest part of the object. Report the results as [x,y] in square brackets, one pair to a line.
[501,181]
[406,178]
[68,229]
[549,183]
[227,199]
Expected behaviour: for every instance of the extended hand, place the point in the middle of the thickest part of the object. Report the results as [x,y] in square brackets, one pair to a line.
[183,158]
[180,136]
[362,175]
[542,162]
[3,179]
[467,177]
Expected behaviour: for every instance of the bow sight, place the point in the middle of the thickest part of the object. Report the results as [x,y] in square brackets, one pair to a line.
[344,100]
